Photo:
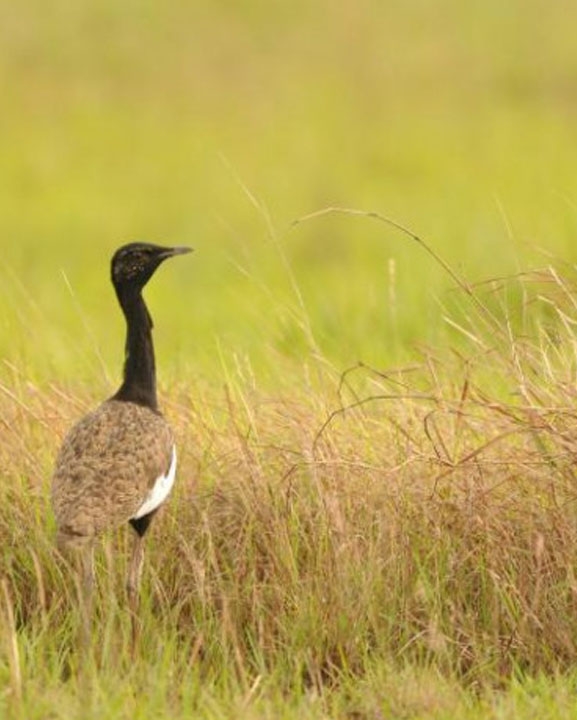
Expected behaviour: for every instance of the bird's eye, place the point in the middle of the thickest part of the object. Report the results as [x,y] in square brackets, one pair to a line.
[131,263]
[136,264]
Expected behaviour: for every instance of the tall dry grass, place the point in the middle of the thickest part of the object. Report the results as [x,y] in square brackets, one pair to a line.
[417,515]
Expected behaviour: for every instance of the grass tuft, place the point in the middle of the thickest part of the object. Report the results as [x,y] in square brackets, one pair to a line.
[419,518]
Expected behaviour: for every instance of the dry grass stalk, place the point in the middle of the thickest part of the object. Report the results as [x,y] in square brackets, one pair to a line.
[11,641]
[429,514]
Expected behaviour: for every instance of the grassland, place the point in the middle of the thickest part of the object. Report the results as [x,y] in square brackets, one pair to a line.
[375,513]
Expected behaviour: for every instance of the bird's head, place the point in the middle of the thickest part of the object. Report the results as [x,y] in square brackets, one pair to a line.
[134,264]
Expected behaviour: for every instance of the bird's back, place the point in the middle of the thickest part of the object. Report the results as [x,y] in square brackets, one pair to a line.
[107,467]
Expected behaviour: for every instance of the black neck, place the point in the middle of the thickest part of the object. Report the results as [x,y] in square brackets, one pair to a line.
[139,385]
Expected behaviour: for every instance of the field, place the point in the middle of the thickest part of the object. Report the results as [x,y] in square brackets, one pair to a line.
[375,513]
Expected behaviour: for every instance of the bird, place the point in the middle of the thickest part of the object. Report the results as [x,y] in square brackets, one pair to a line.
[117,464]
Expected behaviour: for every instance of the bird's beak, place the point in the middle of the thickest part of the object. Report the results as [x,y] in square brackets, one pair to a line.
[171,252]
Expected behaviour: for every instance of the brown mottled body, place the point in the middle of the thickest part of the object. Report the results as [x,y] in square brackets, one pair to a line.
[106,467]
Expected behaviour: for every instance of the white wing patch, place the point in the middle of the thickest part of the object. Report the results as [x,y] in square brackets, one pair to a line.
[159,491]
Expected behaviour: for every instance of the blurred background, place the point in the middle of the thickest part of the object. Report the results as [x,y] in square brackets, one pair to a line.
[218,124]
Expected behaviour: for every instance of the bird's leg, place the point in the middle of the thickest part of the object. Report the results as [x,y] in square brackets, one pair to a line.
[133,587]
[86,593]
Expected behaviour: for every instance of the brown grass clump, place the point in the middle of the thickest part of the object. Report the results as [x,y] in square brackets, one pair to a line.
[418,515]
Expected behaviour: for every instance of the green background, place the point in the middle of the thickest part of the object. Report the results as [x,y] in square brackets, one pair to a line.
[216,124]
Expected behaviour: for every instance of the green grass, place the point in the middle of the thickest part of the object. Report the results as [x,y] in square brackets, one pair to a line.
[362,544]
